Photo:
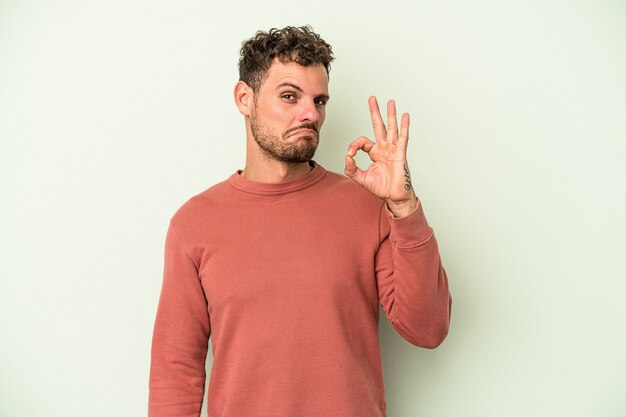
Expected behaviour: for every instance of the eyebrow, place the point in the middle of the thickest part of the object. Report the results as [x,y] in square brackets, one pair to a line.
[287,84]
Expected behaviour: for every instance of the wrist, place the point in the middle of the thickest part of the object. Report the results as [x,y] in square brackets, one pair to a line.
[401,209]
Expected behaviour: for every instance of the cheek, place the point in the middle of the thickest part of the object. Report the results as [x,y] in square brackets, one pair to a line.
[273,118]
[272,110]
[281,114]
[322,116]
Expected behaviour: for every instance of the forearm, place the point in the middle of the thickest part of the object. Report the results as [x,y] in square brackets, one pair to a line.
[180,337]
[413,285]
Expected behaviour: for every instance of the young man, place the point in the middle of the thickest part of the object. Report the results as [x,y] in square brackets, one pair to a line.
[284,263]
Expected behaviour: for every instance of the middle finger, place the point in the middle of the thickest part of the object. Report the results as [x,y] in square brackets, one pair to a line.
[392,130]
[380,132]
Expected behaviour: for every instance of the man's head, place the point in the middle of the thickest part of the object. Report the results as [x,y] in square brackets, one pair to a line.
[283,90]
[290,44]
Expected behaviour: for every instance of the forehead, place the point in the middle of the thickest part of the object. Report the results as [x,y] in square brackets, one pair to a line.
[312,79]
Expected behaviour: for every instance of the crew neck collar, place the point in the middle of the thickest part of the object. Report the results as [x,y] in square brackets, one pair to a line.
[261,188]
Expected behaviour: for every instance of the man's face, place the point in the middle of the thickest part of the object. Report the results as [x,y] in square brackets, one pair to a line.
[289,110]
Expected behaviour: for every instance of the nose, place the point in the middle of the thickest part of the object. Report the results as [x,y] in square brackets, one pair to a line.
[309,112]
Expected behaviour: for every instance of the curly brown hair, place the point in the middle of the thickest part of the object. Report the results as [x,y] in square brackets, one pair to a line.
[290,44]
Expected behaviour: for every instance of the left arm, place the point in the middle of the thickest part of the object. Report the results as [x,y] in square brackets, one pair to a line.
[411,281]
[412,284]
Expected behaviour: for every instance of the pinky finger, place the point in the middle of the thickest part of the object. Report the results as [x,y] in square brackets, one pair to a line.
[404,130]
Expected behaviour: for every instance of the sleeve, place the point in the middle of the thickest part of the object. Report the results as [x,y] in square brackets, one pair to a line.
[412,283]
[180,337]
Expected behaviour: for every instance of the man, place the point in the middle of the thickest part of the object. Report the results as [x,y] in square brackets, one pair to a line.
[284,263]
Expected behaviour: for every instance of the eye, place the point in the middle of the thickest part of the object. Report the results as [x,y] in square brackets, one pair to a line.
[288,96]
[320,102]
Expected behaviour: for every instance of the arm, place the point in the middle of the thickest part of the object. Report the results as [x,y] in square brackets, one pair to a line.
[412,283]
[180,338]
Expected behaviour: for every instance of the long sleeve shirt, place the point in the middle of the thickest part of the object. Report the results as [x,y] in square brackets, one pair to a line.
[286,279]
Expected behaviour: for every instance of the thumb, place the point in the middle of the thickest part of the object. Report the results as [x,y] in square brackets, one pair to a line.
[353,171]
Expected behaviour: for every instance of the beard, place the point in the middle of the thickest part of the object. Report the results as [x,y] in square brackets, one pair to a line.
[281,148]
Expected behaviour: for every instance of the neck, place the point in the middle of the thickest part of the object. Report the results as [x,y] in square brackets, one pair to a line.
[275,171]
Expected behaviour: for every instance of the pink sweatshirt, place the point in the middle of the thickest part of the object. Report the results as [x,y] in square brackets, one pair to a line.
[286,279]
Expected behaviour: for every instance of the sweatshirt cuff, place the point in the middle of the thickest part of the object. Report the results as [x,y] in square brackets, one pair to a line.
[411,230]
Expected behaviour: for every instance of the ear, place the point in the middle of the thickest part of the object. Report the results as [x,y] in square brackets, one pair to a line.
[244,98]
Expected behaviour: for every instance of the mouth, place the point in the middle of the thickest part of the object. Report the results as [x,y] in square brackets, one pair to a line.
[307,132]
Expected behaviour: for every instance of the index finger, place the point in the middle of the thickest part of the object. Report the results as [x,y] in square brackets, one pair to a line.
[380,132]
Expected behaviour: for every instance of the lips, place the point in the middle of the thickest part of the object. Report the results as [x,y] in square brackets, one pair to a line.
[304,131]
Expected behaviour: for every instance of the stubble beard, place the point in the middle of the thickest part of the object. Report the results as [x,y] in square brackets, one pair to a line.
[283,149]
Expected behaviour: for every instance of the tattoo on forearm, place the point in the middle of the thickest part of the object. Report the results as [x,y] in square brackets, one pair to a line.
[407,178]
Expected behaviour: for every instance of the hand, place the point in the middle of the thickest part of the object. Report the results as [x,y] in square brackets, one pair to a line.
[388,176]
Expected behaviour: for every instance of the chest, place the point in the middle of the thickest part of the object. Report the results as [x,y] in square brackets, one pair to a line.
[287,256]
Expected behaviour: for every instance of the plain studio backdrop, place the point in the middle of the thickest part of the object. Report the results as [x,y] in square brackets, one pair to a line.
[114,113]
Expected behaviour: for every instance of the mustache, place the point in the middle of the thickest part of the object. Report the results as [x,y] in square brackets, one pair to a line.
[303,126]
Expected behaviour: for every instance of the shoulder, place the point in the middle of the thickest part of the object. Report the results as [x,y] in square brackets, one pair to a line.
[340,183]
[201,205]
[343,189]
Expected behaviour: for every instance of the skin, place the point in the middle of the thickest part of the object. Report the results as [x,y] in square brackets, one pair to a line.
[290,98]
[388,175]
[284,118]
